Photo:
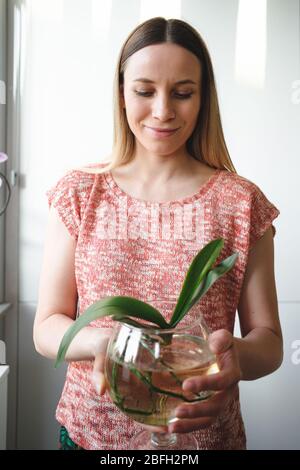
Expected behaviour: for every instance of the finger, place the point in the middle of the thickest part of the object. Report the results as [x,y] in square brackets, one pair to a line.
[222,380]
[215,382]
[211,407]
[99,382]
[189,425]
[98,376]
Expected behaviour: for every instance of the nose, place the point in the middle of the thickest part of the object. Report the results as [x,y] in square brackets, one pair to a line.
[163,108]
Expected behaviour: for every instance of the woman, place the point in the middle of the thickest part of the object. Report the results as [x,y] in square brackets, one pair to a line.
[108,235]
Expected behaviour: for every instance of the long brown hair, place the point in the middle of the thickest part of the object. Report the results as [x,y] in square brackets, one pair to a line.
[207,143]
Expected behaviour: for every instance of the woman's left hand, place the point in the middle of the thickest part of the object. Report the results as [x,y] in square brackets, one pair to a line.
[203,414]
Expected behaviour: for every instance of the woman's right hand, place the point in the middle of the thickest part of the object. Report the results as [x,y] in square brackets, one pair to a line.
[101,340]
[100,343]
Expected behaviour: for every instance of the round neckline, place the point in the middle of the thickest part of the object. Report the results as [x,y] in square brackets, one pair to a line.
[202,190]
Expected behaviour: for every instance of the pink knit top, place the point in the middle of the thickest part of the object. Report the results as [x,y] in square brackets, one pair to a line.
[127,246]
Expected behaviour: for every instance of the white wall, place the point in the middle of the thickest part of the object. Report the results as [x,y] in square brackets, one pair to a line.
[69,55]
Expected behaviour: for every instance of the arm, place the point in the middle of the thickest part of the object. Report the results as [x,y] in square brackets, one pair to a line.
[57,302]
[258,353]
[260,350]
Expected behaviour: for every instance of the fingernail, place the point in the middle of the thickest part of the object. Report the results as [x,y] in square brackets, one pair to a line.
[189,386]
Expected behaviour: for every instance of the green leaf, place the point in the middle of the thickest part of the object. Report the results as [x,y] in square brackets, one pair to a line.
[210,278]
[213,275]
[201,264]
[118,307]
[129,321]
[200,277]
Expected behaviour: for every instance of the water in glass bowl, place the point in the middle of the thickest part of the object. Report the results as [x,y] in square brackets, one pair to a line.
[146,384]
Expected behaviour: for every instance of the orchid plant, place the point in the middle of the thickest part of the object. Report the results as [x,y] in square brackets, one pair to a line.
[200,276]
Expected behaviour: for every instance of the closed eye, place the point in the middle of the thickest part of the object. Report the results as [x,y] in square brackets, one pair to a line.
[147,94]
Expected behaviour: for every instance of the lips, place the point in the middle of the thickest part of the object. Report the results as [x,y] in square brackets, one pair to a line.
[158,132]
[158,129]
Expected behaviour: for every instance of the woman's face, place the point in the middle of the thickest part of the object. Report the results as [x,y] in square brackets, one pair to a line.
[154,97]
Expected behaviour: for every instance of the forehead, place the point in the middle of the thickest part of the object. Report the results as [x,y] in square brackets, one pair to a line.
[165,61]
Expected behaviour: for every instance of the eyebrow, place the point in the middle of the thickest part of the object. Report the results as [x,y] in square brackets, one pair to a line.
[181,82]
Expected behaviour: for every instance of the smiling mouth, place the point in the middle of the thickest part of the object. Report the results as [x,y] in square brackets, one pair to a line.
[161,132]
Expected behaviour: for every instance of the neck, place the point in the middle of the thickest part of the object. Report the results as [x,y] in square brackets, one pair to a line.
[161,168]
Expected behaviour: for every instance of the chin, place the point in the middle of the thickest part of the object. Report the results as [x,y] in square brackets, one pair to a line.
[161,147]
[161,150]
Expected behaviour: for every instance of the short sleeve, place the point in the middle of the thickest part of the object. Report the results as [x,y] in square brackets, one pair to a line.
[263,212]
[69,196]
